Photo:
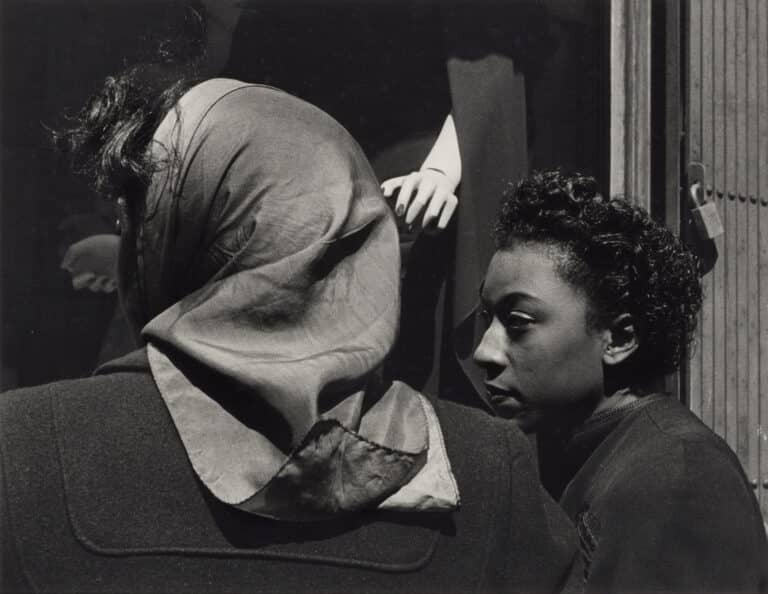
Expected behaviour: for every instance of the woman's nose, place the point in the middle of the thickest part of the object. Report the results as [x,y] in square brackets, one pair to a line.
[490,352]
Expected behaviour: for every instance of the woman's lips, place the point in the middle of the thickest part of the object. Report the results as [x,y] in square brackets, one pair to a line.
[506,402]
[507,407]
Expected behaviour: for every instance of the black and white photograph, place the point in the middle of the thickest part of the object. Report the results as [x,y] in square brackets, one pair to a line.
[383,296]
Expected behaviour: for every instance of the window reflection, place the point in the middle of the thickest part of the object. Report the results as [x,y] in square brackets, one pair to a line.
[388,71]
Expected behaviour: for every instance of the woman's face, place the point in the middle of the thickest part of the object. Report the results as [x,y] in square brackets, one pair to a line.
[541,359]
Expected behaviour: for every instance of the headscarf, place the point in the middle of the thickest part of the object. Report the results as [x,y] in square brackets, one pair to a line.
[270,263]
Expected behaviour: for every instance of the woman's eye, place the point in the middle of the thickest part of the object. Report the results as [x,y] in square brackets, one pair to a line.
[517,321]
[486,315]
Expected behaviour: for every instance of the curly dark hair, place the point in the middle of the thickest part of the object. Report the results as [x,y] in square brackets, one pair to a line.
[623,260]
[108,143]
[107,140]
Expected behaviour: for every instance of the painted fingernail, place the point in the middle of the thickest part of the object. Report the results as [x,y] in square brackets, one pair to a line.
[400,210]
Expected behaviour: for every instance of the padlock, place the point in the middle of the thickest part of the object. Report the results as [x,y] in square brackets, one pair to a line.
[705,215]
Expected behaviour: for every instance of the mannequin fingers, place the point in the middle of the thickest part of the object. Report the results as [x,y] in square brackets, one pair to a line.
[404,197]
[436,205]
[101,284]
[424,196]
[389,186]
[447,213]
[82,281]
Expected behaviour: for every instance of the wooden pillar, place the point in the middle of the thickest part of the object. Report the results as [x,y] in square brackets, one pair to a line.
[630,161]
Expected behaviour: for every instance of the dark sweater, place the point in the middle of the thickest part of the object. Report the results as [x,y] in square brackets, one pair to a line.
[98,496]
[661,504]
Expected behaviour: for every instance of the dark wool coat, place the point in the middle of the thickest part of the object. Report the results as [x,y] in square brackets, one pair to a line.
[662,505]
[98,496]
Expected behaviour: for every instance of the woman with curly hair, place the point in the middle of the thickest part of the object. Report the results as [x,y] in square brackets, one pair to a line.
[589,302]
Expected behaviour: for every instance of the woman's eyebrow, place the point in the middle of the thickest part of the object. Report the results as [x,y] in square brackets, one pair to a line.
[509,298]
[515,297]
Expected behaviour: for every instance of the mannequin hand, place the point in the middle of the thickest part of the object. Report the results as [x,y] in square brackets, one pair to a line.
[434,195]
[92,262]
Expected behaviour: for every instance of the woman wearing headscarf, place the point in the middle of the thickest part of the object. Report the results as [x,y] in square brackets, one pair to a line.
[251,444]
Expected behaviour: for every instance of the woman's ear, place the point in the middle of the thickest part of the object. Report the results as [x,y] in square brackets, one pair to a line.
[622,340]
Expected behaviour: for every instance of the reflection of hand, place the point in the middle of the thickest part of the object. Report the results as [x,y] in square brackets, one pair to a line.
[434,191]
[92,262]
[79,226]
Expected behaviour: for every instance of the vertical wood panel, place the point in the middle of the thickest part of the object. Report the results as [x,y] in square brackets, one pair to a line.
[718,42]
[740,437]
[728,132]
[707,317]
[728,407]
[639,104]
[619,73]
[630,110]
[699,86]
[762,176]
[753,251]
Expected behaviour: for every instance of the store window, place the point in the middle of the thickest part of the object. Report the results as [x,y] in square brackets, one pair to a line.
[525,81]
